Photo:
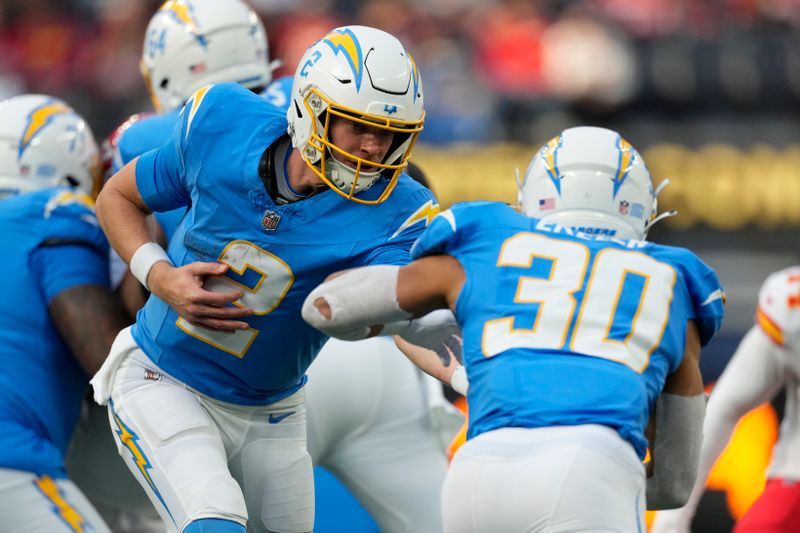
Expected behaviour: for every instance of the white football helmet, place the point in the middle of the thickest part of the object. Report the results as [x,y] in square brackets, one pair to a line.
[364,75]
[44,143]
[191,43]
[591,179]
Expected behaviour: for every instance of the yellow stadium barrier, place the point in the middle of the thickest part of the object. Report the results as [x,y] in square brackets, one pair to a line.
[718,185]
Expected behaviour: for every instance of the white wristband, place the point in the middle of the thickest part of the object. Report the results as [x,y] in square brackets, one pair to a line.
[143,260]
[459,381]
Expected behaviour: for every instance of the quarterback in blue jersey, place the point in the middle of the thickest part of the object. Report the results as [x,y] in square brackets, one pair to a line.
[206,388]
[58,316]
[576,331]
[400,486]
[186,46]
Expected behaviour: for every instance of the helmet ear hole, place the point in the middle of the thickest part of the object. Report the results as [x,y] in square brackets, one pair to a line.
[72,181]
[164,83]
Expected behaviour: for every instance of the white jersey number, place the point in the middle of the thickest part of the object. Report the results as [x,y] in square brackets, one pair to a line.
[266,294]
[623,313]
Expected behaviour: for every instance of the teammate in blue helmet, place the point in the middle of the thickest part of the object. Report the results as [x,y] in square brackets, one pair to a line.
[271,208]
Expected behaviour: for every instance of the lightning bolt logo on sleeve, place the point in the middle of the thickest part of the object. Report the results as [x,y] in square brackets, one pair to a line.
[718,294]
[428,210]
[66,198]
[194,105]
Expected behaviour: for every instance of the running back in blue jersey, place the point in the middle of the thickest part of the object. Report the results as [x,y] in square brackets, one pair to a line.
[51,242]
[276,253]
[562,329]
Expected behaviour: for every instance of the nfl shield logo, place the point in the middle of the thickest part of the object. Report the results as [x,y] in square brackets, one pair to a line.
[270,220]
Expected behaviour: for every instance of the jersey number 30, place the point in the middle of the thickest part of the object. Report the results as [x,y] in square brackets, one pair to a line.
[274,277]
[623,312]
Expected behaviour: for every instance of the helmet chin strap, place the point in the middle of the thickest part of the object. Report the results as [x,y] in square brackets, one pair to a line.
[344,176]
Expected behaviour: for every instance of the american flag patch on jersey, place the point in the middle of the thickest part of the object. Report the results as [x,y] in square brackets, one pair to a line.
[547,203]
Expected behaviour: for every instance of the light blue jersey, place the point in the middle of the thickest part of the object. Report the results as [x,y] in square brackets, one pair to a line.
[152,131]
[277,253]
[565,330]
[52,242]
[144,135]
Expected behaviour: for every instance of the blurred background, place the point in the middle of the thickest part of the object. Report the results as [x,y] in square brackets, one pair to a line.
[707,90]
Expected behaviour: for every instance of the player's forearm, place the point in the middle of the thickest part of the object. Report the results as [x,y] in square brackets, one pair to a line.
[427,360]
[349,305]
[88,317]
[675,450]
[122,213]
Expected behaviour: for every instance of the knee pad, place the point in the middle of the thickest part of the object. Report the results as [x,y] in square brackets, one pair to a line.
[219,497]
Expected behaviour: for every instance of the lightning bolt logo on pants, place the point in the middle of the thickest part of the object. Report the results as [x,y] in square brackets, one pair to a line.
[130,440]
[65,511]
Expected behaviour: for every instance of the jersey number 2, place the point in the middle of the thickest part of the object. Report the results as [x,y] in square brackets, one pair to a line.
[264,294]
[623,312]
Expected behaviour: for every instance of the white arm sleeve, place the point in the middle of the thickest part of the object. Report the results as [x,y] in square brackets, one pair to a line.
[357,299]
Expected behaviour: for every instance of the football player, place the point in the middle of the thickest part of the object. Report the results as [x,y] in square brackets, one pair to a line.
[187,45]
[411,502]
[576,330]
[271,209]
[58,316]
[766,362]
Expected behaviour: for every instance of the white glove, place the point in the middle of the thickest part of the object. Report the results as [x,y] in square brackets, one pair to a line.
[672,521]
[437,331]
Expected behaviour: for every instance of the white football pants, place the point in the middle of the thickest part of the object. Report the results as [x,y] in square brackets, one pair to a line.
[368,423]
[549,480]
[200,458]
[41,504]
[98,470]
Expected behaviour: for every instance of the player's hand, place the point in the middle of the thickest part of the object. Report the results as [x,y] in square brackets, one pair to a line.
[183,288]
[437,331]
[672,521]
